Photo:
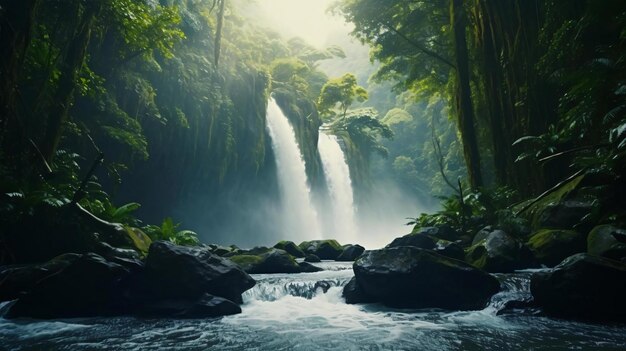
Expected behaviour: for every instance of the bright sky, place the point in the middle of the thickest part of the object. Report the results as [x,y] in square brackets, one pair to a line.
[303,18]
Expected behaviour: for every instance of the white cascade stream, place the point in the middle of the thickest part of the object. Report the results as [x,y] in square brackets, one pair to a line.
[337,174]
[298,216]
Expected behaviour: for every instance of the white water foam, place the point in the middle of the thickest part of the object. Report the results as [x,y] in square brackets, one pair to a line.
[299,218]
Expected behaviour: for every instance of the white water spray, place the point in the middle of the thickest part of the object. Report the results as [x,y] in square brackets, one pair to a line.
[299,218]
[337,175]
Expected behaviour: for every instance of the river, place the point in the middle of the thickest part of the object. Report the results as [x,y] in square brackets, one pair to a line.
[292,312]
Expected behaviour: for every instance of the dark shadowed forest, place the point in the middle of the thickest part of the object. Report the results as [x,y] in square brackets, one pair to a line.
[358,174]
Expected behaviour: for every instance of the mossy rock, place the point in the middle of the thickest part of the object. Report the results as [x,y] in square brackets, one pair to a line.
[290,247]
[246,262]
[551,246]
[272,261]
[408,276]
[498,252]
[584,287]
[324,249]
[140,240]
[601,241]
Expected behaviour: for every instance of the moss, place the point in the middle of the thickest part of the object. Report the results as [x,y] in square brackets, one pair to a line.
[533,213]
[141,241]
[246,261]
[551,246]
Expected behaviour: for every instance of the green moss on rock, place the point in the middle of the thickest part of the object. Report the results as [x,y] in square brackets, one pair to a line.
[551,246]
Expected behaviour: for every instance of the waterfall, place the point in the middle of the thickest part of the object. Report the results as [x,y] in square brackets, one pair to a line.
[298,216]
[337,175]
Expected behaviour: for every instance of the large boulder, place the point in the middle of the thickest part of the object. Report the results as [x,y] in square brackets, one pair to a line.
[272,261]
[350,252]
[565,214]
[16,281]
[174,271]
[551,246]
[353,293]
[205,306]
[49,231]
[442,231]
[312,258]
[290,247]
[602,241]
[306,267]
[498,252]
[583,287]
[408,276]
[425,239]
[88,286]
[324,249]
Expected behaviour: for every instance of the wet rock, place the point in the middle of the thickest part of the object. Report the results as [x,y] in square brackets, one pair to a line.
[290,247]
[498,252]
[16,281]
[418,239]
[88,286]
[188,272]
[602,241]
[324,249]
[272,261]
[220,250]
[442,231]
[350,252]
[551,246]
[423,240]
[306,267]
[353,293]
[412,277]
[312,258]
[565,214]
[583,287]
[206,306]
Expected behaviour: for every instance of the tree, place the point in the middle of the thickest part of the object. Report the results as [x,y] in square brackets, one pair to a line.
[342,91]
[465,108]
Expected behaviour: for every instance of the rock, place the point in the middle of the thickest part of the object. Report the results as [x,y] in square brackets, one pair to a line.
[16,281]
[498,252]
[188,272]
[324,249]
[408,276]
[449,249]
[351,252]
[565,214]
[312,258]
[220,250]
[441,231]
[290,247]
[602,241]
[423,240]
[48,231]
[354,294]
[551,246]
[206,306]
[306,267]
[88,286]
[273,261]
[583,287]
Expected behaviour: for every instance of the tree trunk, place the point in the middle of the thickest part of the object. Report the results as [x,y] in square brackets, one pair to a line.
[70,69]
[465,109]
[16,23]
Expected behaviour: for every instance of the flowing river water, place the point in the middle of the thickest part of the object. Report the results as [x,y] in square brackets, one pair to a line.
[292,312]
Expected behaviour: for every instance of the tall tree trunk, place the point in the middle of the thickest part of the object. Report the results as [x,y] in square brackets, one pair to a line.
[70,69]
[465,109]
[16,23]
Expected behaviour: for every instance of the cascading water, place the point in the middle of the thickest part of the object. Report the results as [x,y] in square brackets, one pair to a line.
[305,311]
[299,218]
[337,175]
